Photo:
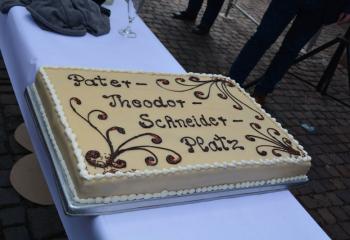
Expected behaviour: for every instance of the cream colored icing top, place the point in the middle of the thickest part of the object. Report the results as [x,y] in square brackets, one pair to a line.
[132,122]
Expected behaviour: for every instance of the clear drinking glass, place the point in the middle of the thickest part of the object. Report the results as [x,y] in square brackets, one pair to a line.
[133,8]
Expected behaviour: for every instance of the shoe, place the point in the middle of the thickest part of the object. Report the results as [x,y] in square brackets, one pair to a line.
[261,99]
[200,31]
[184,16]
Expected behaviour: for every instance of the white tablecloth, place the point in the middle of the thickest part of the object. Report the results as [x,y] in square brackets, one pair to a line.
[25,48]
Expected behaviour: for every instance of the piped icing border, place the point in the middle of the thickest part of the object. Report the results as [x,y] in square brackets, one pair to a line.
[184,192]
[138,173]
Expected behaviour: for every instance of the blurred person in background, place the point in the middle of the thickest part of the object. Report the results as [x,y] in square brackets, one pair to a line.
[309,16]
[210,14]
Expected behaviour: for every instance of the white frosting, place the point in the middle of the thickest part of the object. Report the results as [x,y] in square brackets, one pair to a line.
[138,173]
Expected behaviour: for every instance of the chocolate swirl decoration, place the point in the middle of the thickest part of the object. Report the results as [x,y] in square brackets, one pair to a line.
[272,137]
[222,85]
[113,161]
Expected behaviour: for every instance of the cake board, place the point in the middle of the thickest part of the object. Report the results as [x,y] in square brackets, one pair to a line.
[74,208]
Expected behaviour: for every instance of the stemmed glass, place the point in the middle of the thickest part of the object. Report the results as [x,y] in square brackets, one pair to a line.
[133,8]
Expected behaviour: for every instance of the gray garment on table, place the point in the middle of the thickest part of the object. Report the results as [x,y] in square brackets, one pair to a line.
[68,17]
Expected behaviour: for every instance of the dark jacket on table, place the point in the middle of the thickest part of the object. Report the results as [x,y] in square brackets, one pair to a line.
[67,17]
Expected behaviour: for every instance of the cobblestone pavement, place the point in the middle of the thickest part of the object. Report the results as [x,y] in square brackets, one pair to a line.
[326,196]
[19,218]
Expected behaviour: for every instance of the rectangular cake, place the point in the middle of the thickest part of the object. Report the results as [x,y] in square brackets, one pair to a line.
[124,136]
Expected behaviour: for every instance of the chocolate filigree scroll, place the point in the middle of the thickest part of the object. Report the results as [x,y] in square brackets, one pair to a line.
[276,143]
[197,85]
[113,161]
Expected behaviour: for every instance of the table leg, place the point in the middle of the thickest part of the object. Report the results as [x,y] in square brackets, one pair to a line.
[312,42]
[234,3]
[329,72]
[229,6]
[317,50]
[348,63]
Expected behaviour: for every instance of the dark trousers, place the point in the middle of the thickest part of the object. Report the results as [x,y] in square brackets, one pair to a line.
[308,16]
[211,12]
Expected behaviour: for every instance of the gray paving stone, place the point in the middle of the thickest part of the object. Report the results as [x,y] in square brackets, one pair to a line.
[338,184]
[8,99]
[340,214]
[327,216]
[2,64]
[2,117]
[336,232]
[3,149]
[343,170]
[344,195]
[333,199]
[4,75]
[346,227]
[347,182]
[11,111]
[314,214]
[12,123]
[11,216]
[3,135]
[322,200]
[317,187]
[16,233]
[6,89]
[5,162]
[327,185]
[309,202]
[312,174]
[305,190]
[44,222]
[346,208]
[8,197]
[15,147]
[5,178]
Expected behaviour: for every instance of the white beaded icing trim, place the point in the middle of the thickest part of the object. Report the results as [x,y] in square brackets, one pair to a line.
[223,187]
[82,165]
[56,149]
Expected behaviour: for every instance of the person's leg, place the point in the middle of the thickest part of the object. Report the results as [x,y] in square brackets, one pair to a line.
[211,12]
[193,7]
[305,25]
[190,14]
[278,15]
